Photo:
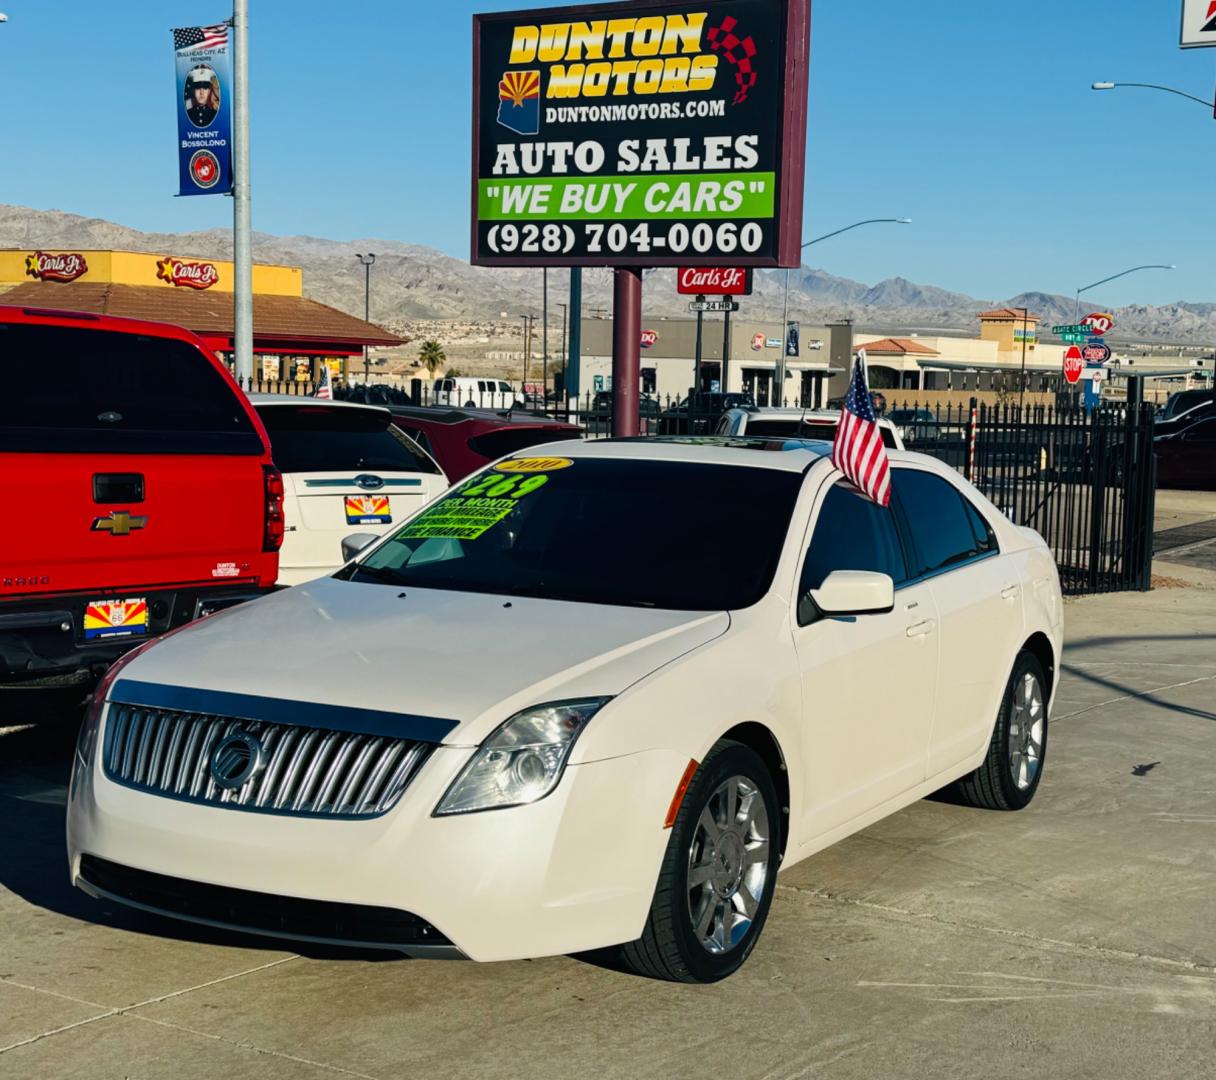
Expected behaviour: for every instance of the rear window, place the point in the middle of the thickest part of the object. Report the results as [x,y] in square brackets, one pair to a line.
[71,389]
[509,440]
[320,438]
[804,429]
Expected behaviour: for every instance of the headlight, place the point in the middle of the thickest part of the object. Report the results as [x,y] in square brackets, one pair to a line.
[522,761]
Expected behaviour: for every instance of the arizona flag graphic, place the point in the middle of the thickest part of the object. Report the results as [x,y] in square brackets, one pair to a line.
[115,618]
[368,510]
[1209,24]
[519,102]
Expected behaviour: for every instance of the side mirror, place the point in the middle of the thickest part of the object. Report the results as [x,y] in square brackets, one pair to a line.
[355,543]
[855,592]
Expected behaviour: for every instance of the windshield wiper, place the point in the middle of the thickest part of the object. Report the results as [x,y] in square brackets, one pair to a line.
[381,574]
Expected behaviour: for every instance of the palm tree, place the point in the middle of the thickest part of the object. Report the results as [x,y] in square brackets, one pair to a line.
[431,355]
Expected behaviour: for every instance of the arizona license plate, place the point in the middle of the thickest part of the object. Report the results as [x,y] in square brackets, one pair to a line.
[368,510]
[115,618]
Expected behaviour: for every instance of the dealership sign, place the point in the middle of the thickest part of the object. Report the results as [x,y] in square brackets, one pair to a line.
[640,134]
[193,275]
[1073,364]
[714,281]
[60,266]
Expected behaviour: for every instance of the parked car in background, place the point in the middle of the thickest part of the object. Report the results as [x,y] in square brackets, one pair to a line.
[761,422]
[463,440]
[346,468]
[600,412]
[698,414]
[139,491]
[544,716]
[915,425]
[1186,457]
[464,391]
[1185,402]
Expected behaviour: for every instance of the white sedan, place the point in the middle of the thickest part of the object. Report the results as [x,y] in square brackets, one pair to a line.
[594,697]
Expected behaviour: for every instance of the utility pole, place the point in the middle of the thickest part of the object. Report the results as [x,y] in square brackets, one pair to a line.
[367,261]
[544,335]
[574,351]
[696,366]
[242,213]
[523,389]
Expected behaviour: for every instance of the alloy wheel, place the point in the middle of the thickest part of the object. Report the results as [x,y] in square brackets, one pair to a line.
[728,864]
[1026,731]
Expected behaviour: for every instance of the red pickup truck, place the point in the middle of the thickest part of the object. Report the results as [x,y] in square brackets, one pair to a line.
[137,492]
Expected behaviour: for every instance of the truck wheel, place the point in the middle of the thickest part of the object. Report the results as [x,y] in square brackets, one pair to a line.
[718,875]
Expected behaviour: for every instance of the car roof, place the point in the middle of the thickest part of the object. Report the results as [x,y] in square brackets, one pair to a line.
[772,452]
[258,401]
[782,413]
[440,415]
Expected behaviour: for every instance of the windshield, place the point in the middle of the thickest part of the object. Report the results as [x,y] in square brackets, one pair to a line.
[679,535]
[323,438]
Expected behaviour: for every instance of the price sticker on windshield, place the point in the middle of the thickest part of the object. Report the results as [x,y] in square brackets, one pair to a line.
[533,464]
[478,506]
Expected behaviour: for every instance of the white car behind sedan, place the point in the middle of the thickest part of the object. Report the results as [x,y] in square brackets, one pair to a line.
[576,704]
[346,469]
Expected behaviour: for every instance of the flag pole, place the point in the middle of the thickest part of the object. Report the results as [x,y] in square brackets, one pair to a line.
[242,215]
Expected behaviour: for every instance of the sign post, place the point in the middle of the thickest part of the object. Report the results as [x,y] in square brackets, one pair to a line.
[651,133]
[696,366]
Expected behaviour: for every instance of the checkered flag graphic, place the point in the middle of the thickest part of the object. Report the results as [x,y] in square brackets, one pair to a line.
[738,52]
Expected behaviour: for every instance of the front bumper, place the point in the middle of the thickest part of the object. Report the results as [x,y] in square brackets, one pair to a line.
[573,872]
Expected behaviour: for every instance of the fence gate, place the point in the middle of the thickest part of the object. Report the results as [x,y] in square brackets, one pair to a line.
[1085,481]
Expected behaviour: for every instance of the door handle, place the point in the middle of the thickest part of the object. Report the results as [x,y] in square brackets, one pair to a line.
[920,629]
[1009,592]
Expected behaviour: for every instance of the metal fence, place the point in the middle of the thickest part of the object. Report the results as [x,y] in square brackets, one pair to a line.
[1085,481]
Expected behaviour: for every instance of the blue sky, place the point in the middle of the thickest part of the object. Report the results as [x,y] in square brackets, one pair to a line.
[973,117]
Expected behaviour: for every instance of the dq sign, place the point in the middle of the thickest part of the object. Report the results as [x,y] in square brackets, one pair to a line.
[650,338]
[64,266]
[1074,364]
[1099,323]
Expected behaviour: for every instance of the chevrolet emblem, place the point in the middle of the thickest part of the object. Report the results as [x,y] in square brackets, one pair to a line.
[118,523]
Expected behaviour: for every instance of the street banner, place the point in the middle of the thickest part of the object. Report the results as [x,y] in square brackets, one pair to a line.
[1198,24]
[204,109]
[791,338]
[647,133]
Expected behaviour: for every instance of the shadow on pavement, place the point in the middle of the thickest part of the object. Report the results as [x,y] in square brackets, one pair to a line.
[34,767]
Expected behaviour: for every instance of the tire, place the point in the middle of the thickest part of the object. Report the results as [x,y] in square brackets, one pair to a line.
[670,947]
[1010,774]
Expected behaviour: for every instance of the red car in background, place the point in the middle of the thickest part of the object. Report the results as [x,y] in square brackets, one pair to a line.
[463,440]
[138,488]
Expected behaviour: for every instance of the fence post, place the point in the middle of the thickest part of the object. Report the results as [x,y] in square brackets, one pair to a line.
[971,433]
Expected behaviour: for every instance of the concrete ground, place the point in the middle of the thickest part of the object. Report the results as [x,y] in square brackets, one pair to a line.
[1074,940]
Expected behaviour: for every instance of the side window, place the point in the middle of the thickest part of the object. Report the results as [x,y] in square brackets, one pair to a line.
[985,538]
[939,521]
[851,533]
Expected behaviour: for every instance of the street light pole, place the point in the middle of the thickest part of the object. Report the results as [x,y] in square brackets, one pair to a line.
[242,212]
[785,313]
[565,308]
[1152,86]
[1076,310]
[367,261]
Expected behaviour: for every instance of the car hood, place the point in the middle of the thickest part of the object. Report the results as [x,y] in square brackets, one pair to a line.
[470,658]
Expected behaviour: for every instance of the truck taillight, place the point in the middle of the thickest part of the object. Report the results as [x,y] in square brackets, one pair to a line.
[272,536]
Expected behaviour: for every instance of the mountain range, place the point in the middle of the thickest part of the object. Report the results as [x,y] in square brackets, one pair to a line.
[412,283]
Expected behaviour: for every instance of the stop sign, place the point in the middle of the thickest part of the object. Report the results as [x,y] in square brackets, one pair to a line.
[1073,364]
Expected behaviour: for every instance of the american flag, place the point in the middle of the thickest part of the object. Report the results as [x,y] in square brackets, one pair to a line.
[200,37]
[858,450]
[324,386]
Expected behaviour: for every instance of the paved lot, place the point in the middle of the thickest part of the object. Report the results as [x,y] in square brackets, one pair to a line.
[1075,940]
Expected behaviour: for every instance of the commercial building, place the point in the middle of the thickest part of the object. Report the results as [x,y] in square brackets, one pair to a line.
[292,334]
[744,360]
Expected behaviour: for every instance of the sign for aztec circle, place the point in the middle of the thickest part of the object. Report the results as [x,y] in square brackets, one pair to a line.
[647,133]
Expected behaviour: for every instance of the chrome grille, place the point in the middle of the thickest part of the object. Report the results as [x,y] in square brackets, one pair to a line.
[309,771]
